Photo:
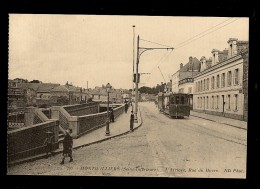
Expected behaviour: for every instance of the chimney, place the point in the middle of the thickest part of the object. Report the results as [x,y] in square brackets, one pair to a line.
[214,56]
[232,51]
[203,63]
[190,63]
[181,65]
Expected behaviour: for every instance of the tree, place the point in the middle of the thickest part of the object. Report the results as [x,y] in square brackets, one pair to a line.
[35,81]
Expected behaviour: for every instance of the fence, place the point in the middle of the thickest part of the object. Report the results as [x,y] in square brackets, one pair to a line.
[28,141]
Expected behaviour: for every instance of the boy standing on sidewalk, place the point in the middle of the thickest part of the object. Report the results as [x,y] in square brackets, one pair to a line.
[67,146]
[49,143]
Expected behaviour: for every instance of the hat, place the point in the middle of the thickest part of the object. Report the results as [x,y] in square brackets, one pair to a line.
[67,131]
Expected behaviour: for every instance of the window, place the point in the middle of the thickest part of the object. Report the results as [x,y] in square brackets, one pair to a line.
[223,80]
[236,102]
[236,77]
[204,84]
[217,81]
[172,100]
[212,82]
[212,102]
[228,106]
[217,101]
[207,102]
[177,99]
[208,84]
[229,78]
[198,102]
[182,100]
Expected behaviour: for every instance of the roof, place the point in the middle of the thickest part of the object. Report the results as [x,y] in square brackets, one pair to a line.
[46,87]
[195,65]
[26,86]
[66,88]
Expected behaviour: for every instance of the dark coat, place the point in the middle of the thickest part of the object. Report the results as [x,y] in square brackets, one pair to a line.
[67,144]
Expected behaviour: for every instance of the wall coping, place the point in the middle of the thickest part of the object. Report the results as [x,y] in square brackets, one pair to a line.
[32,126]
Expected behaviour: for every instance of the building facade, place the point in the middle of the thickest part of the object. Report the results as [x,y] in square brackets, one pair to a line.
[219,88]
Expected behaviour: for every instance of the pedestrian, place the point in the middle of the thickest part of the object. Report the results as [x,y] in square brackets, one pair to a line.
[126,107]
[112,117]
[67,146]
[49,143]
[132,116]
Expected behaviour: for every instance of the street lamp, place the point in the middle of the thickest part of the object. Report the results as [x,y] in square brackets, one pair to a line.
[108,88]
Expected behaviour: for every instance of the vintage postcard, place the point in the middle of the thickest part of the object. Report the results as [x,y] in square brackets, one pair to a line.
[128,96]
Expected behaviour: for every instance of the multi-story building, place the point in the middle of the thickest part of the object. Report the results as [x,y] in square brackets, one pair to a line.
[175,80]
[69,94]
[99,94]
[16,95]
[182,80]
[186,73]
[219,87]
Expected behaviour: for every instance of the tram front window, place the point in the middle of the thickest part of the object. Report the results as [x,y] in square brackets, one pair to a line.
[182,100]
[172,100]
[177,99]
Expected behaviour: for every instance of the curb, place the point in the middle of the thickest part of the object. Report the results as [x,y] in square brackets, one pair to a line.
[42,156]
[219,122]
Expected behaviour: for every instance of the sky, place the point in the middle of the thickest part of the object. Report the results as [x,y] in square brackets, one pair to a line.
[91,50]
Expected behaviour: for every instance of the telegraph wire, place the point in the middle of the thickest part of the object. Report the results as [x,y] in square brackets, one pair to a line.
[206,34]
[188,42]
[202,32]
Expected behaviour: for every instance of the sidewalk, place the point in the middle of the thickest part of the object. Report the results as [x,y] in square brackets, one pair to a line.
[120,127]
[220,119]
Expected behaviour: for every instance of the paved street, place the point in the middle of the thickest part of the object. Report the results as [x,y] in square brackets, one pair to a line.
[190,147]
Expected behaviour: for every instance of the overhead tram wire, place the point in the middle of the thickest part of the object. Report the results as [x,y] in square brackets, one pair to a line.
[187,41]
[156,43]
[163,54]
[162,58]
[202,32]
[206,34]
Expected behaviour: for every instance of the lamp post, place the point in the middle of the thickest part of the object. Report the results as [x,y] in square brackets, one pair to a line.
[133,65]
[108,87]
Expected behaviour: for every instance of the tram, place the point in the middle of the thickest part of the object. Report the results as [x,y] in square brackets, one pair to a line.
[176,105]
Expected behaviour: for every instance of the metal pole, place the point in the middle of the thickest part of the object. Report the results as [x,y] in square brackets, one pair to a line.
[133,64]
[136,81]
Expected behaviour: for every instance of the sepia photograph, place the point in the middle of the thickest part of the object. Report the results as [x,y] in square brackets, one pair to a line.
[127,96]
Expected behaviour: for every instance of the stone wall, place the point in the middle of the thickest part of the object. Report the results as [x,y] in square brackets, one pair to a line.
[28,141]
[82,109]
[88,123]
